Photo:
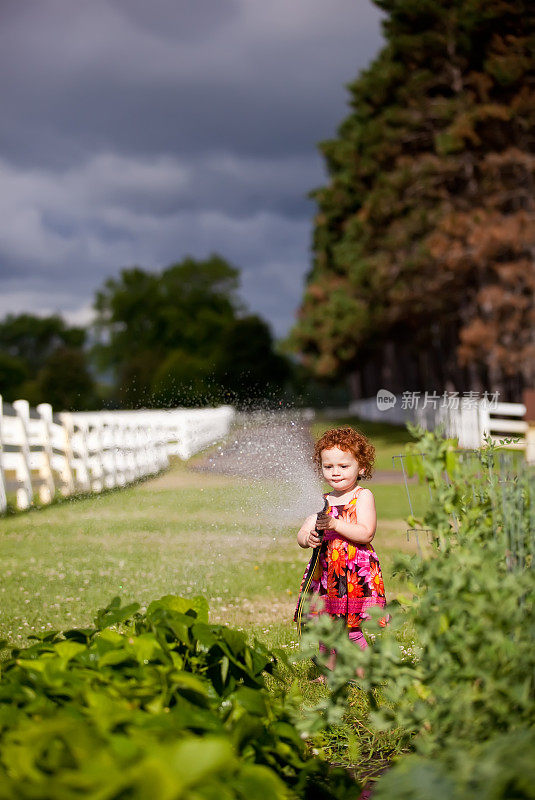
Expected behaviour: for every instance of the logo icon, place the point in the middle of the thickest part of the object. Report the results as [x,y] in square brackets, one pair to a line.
[385,400]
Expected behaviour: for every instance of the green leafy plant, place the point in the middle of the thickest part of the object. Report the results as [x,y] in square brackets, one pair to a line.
[161,705]
[463,692]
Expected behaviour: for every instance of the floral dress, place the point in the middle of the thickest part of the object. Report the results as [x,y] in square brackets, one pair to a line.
[347,579]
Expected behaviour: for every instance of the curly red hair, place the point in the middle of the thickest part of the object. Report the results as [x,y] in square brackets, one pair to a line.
[350,441]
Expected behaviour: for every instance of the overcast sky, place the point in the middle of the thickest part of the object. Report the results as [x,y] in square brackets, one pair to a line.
[137,132]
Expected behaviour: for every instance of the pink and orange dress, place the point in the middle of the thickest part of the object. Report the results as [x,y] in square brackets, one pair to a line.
[347,579]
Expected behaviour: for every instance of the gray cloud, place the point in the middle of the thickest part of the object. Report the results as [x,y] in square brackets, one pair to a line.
[139,133]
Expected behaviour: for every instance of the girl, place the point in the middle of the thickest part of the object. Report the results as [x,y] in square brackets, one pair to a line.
[347,579]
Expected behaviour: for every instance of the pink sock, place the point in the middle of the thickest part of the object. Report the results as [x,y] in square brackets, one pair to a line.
[323,649]
[358,637]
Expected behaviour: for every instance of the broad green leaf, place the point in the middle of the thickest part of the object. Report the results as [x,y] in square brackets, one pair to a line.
[181,604]
[235,639]
[185,680]
[252,700]
[113,614]
[113,657]
[224,669]
[112,637]
[144,647]
[68,650]
[257,782]
[205,634]
[196,758]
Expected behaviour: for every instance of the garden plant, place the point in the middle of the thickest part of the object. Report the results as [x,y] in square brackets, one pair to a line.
[160,705]
[453,674]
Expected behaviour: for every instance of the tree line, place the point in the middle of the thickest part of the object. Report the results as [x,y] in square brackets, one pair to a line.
[178,337]
[423,274]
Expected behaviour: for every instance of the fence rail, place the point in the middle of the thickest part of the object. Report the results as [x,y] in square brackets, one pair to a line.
[469,421]
[43,454]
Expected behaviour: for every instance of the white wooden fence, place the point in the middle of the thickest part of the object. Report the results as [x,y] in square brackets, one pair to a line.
[43,454]
[468,421]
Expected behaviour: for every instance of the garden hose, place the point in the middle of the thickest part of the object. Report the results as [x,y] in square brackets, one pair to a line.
[311,570]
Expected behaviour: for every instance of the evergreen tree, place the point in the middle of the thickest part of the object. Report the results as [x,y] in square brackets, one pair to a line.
[423,273]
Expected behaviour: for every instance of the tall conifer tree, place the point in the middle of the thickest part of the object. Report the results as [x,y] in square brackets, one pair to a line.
[424,242]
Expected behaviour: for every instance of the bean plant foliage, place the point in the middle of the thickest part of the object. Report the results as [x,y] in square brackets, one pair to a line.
[454,672]
[161,705]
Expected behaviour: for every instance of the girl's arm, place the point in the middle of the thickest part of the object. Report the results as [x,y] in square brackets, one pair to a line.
[361,532]
[305,534]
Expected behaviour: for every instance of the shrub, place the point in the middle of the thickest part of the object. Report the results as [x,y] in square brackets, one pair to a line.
[160,705]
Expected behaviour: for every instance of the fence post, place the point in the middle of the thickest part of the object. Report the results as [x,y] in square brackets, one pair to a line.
[79,462]
[121,459]
[58,448]
[484,418]
[25,492]
[3,493]
[528,398]
[96,451]
[107,443]
[40,444]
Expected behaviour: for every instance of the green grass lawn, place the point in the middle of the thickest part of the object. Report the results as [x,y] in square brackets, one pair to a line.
[185,533]
[181,533]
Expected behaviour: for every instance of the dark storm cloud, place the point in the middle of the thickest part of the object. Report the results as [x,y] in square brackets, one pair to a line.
[136,133]
[195,20]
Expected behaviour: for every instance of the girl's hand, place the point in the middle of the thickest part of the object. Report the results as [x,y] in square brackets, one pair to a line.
[312,539]
[325,522]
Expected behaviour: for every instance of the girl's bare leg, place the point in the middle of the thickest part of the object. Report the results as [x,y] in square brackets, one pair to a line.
[356,636]
[331,662]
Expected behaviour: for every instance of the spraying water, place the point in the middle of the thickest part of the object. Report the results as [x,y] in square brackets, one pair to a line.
[273,451]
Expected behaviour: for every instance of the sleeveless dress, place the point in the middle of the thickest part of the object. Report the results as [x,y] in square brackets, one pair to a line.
[347,579]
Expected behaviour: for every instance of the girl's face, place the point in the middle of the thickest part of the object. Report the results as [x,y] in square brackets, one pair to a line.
[340,468]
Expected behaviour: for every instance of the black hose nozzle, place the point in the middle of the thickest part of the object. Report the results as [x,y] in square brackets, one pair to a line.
[323,510]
